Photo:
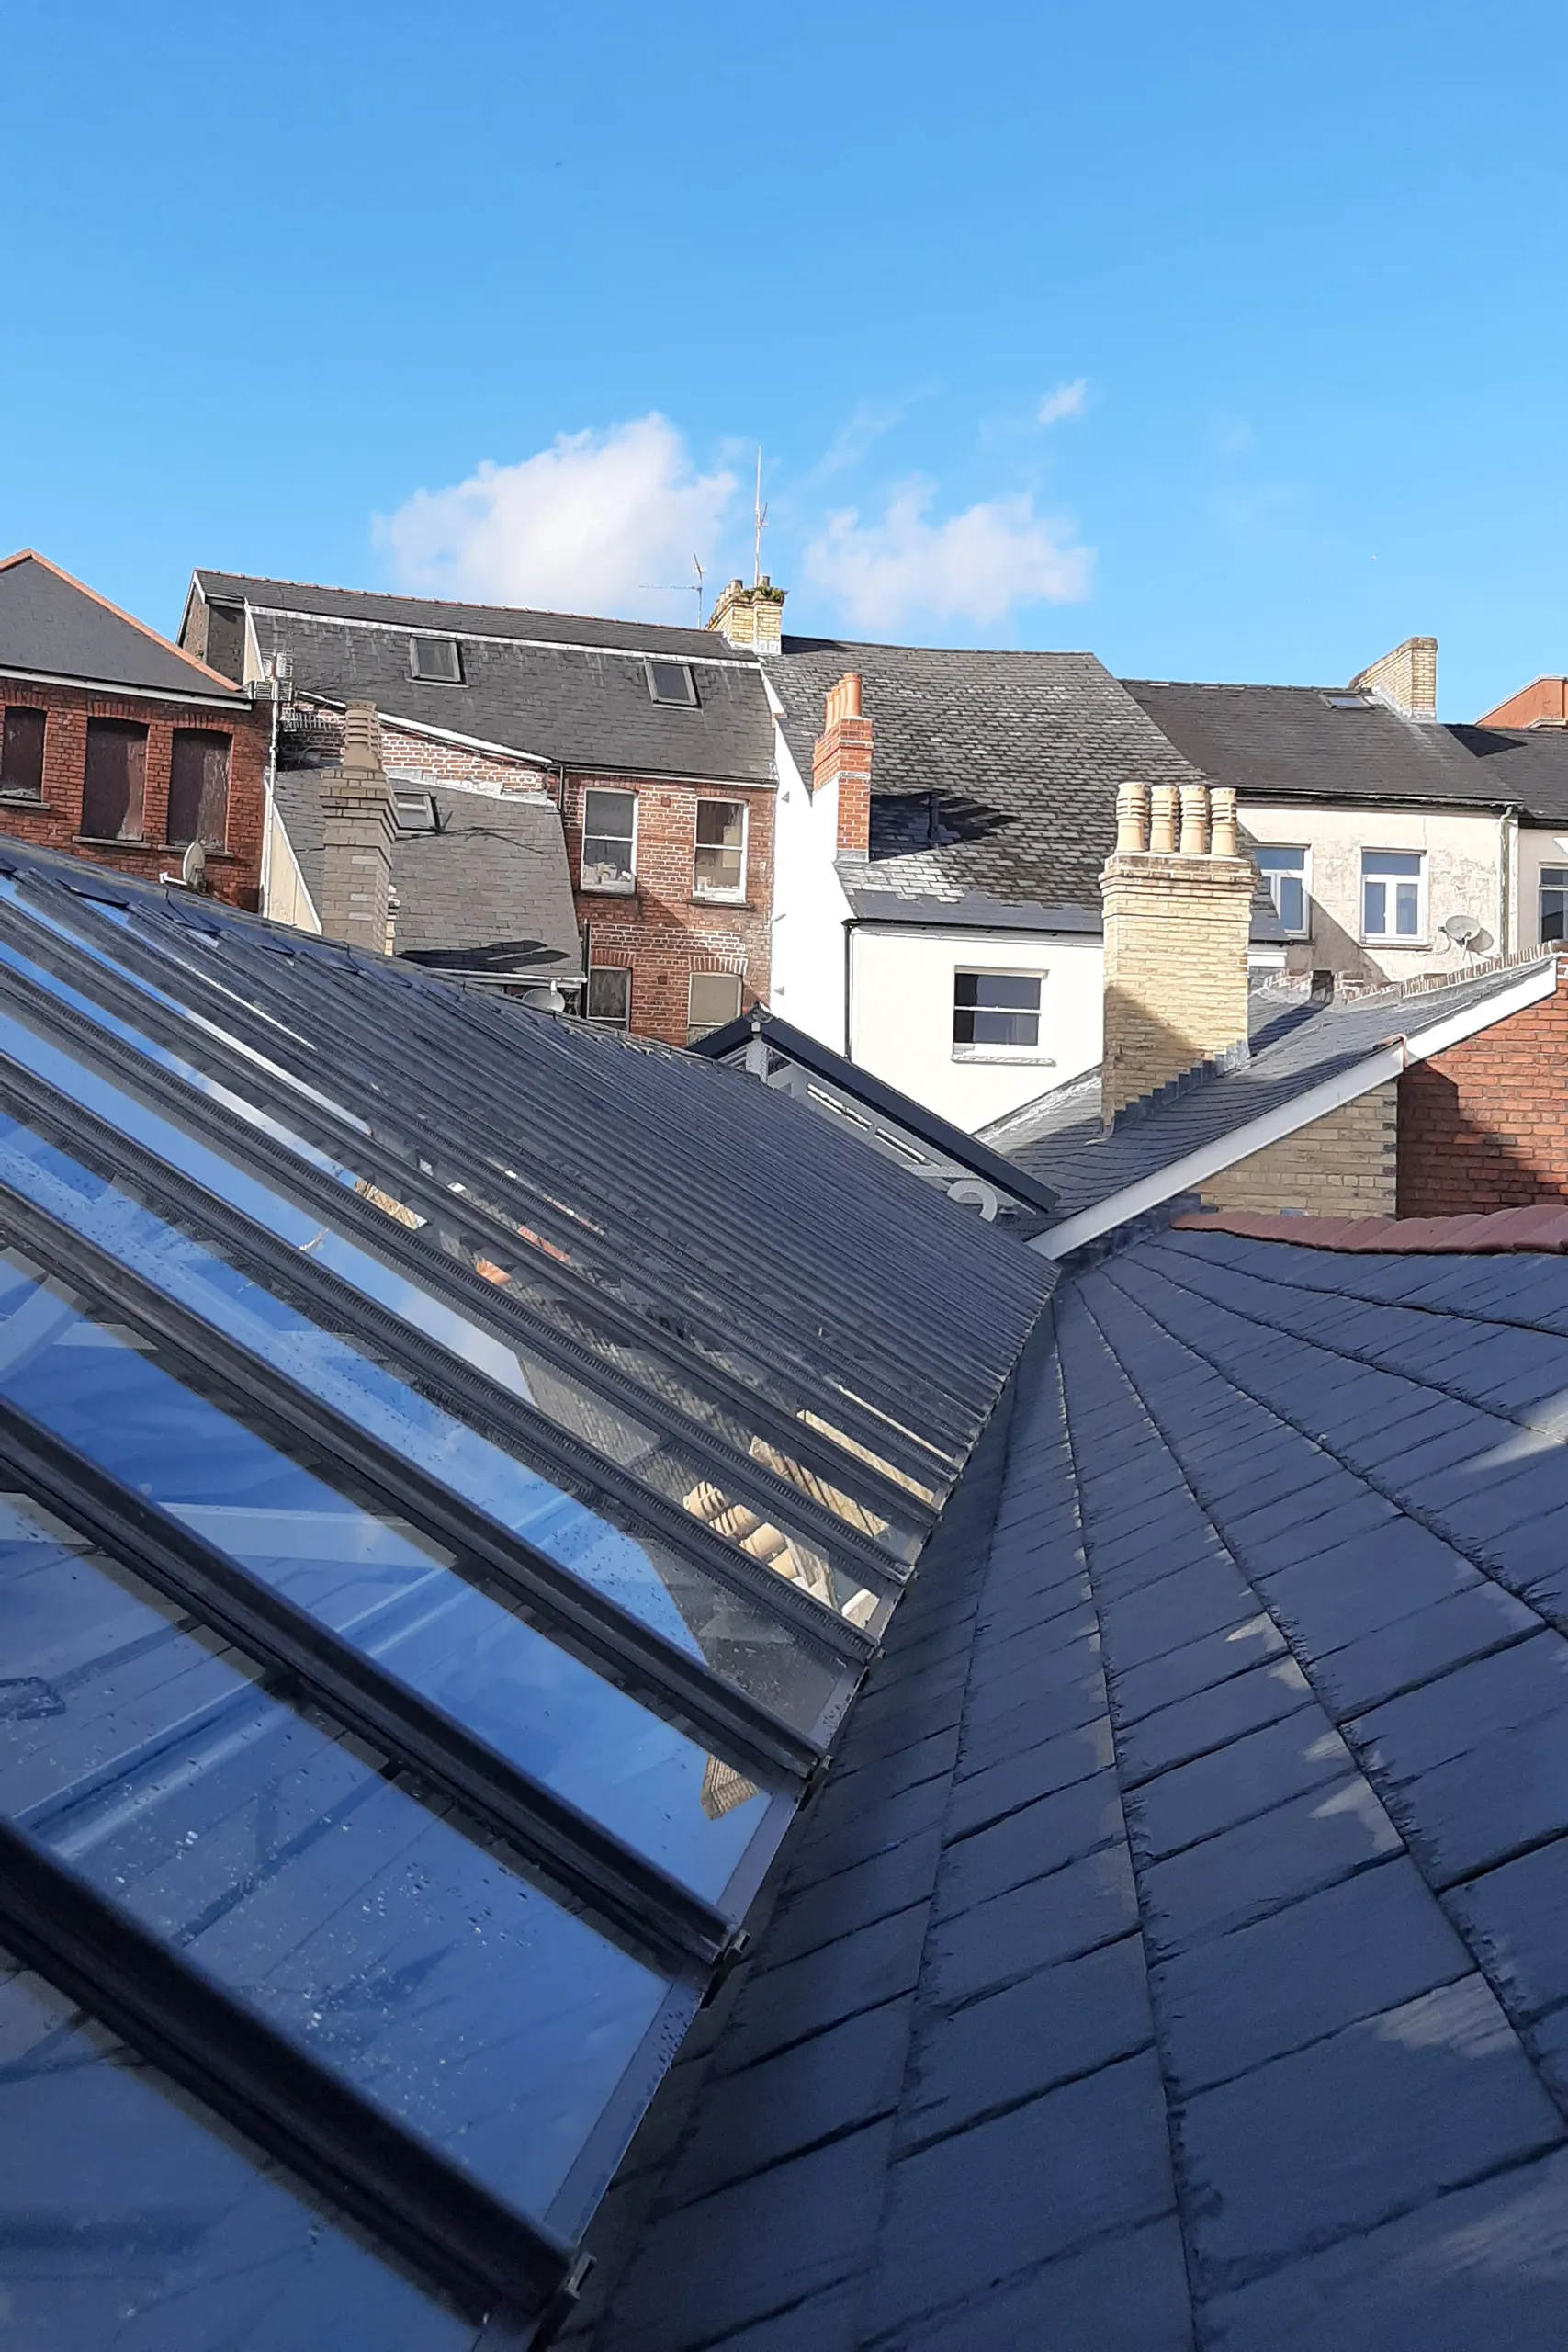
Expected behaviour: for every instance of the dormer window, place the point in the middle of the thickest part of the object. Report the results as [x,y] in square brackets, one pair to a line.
[672,682]
[415,811]
[435,660]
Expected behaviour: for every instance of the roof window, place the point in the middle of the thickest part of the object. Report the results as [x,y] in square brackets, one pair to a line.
[416,813]
[1350,702]
[672,682]
[435,660]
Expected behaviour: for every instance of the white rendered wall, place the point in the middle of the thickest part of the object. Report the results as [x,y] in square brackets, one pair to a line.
[1463,850]
[288,900]
[809,907]
[901,1026]
[1535,849]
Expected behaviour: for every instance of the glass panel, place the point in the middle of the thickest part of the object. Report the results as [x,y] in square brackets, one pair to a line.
[995,1009]
[21,753]
[1408,910]
[1374,908]
[672,682]
[278,1857]
[1388,862]
[115,781]
[608,821]
[713,998]
[610,995]
[437,657]
[1553,903]
[1284,870]
[721,842]
[133,2217]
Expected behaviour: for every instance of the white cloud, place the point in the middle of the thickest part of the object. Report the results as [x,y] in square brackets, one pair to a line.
[975,566]
[588,525]
[1067,400]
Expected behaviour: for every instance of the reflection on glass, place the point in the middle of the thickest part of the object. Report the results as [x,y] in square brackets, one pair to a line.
[280,1859]
[133,2217]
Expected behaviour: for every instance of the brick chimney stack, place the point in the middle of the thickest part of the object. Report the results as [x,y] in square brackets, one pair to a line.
[358,828]
[841,759]
[1405,679]
[750,617]
[1178,915]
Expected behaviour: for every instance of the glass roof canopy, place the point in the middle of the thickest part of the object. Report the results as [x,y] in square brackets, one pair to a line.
[453,1471]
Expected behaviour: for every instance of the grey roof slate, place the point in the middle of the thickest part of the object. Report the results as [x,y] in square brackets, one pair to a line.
[562,688]
[51,626]
[1222,2017]
[993,773]
[1292,742]
[1295,1045]
[489,891]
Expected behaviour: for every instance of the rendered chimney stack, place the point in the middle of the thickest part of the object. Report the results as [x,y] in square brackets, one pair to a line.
[1177,922]
[358,828]
[1405,679]
[750,617]
[841,761]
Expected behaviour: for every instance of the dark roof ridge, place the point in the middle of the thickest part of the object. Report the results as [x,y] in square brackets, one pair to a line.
[164,644]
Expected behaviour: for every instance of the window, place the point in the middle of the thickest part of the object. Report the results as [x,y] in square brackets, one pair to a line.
[998,1011]
[610,995]
[609,841]
[672,682]
[415,812]
[714,998]
[721,850]
[435,660]
[1285,872]
[198,788]
[116,780]
[21,755]
[1553,903]
[1393,895]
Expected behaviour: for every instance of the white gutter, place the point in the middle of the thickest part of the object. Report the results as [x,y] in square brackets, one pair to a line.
[1186,1174]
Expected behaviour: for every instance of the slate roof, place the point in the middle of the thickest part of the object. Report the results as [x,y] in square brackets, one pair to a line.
[1012,759]
[1296,1044]
[1292,742]
[561,687]
[1175,1953]
[489,891]
[50,626]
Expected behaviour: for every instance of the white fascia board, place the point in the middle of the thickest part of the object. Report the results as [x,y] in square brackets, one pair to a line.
[1184,1175]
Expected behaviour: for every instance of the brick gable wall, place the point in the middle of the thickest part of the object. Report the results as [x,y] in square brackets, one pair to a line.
[1342,1165]
[1485,1125]
[233,873]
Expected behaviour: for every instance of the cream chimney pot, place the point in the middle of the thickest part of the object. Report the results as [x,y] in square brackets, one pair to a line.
[1162,819]
[1131,819]
[1194,820]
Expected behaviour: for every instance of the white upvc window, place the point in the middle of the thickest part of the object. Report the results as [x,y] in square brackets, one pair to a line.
[996,1015]
[712,1000]
[609,841]
[1553,905]
[1288,872]
[1393,896]
[719,871]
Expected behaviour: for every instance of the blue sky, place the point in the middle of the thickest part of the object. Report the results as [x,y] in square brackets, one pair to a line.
[502,299]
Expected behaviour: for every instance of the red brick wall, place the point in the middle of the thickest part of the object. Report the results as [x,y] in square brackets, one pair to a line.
[233,873]
[1485,1125]
[1542,698]
[452,762]
[661,931]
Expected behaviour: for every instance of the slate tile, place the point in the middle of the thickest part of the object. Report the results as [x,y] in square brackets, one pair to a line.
[1087,2159]
[1506,1793]
[1483,2266]
[1415,1649]
[988,1737]
[1349,1508]
[879,1776]
[1451,1717]
[820,1912]
[804,1996]
[1038,1838]
[1056,2024]
[1021,1613]
[1087,1903]
[1184,1539]
[1004,1673]
[676,2294]
[841,1831]
[1366,1944]
[1197,1665]
[1126,2293]
[1365,1583]
[1516,1919]
[1262,1865]
[1167,1615]
[1212,1719]
[822,2323]
[811,2092]
[1250,1776]
[1001,1788]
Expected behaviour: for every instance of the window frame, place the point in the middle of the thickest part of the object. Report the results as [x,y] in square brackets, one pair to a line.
[1559,889]
[689,700]
[623,1026]
[420,793]
[707,1028]
[428,677]
[990,1050]
[708,894]
[24,795]
[626,889]
[1416,939]
[1288,849]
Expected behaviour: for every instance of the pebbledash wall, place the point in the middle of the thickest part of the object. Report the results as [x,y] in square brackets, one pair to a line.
[54,821]
[1485,1125]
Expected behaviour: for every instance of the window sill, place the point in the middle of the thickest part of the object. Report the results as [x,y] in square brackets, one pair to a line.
[1007,1055]
[718,899]
[1411,946]
[608,889]
[25,801]
[116,840]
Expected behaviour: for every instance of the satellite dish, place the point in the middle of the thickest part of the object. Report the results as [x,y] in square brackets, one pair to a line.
[192,868]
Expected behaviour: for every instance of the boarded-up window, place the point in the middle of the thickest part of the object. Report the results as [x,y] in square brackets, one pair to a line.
[21,755]
[116,780]
[198,788]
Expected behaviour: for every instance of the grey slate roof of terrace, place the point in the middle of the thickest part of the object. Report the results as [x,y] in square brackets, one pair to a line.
[1013,759]
[1058,1137]
[1291,742]
[557,685]
[489,891]
[50,626]
[1176,1950]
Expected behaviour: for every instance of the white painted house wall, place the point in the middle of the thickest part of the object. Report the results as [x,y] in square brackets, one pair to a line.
[1465,852]
[810,909]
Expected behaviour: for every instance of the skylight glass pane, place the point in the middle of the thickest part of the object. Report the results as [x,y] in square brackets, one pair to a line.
[277,1855]
[131,2216]
[672,682]
[437,657]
